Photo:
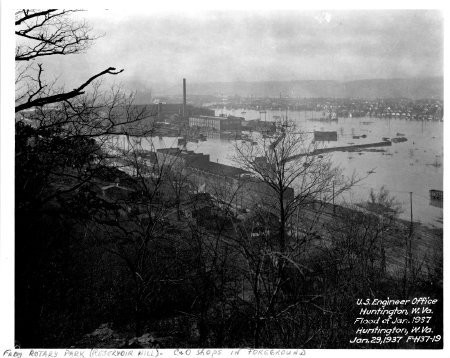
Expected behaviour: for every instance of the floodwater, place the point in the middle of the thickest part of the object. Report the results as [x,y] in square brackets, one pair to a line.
[413,166]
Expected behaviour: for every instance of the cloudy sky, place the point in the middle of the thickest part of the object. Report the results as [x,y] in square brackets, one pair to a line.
[163,47]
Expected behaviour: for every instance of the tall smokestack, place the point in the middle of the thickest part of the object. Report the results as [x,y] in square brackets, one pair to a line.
[184,97]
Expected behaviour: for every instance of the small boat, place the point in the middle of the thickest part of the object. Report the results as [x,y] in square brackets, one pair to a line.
[398,140]
[436,164]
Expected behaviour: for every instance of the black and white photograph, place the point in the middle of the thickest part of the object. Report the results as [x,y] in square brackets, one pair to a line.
[224,178]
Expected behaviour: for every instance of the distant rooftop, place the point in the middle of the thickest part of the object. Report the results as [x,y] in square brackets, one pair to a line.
[177,151]
[205,165]
[218,117]
[220,169]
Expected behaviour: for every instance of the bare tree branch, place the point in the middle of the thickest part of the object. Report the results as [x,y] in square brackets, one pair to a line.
[27,15]
[62,96]
[49,32]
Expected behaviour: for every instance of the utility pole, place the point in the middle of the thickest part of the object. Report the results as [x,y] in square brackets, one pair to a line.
[334,208]
[408,246]
[411,224]
[411,227]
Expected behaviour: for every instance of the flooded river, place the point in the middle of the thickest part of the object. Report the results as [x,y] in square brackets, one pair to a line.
[413,166]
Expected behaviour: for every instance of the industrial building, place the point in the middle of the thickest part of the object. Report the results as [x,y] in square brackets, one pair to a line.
[214,123]
[266,127]
[175,111]
[166,111]
[226,183]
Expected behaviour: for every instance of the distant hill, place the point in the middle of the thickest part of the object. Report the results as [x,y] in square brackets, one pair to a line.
[414,88]
[432,87]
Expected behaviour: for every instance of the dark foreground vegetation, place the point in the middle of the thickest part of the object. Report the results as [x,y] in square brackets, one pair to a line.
[104,258]
[119,247]
[206,280]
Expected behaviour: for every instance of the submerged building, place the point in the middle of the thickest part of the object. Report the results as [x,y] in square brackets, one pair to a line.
[213,123]
[169,110]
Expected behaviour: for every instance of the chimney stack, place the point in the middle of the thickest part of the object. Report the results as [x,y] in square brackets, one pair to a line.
[184,97]
[159,110]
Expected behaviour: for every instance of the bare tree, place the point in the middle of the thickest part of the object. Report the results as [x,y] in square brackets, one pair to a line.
[290,173]
[43,33]
[288,179]
[61,135]
[61,153]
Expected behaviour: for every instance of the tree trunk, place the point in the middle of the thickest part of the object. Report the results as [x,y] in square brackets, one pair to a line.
[137,318]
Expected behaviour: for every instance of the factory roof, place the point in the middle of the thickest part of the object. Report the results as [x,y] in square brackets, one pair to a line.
[220,169]
[177,151]
[205,165]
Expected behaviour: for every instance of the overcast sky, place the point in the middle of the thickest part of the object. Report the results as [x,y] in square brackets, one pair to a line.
[266,45]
